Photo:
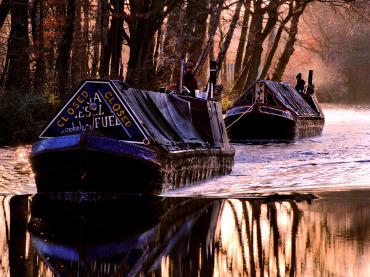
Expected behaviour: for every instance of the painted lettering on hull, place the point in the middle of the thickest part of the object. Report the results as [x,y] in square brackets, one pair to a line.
[110,116]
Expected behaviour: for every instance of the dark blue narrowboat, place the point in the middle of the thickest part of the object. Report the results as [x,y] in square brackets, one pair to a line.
[109,137]
[274,110]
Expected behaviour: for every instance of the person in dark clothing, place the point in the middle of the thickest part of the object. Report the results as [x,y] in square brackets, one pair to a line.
[189,80]
[300,83]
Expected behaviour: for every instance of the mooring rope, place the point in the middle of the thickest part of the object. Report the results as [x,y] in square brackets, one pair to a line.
[236,120]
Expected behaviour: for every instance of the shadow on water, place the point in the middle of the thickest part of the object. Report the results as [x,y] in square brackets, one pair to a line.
[42,235]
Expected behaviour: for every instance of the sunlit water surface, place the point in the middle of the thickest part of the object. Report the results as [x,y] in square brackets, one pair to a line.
[339,159]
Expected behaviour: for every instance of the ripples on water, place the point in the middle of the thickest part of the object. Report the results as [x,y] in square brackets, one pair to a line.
[16,176]
[338,159]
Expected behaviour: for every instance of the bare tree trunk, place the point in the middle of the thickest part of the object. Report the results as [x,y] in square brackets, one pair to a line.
[256,37]
[179,41]
[65,46]
[104,51]
[275,44]
[289,46]
[157,47]
[18,74]
[173,31]
[140,66]
[255,58]
[85,39]
[255,30]
[199,36]
[37,20]
[255,61]
[199,29]
[141,71]
[97,39]
[211,50]
[242,40]
[226,43]
[77,48]
[116,38]
[216,9]
[4,11]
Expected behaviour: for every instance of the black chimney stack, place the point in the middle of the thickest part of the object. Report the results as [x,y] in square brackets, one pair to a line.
[212,72]
[310,76]
[310,87]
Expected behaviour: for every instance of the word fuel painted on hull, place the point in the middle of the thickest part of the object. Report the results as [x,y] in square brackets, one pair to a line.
[110,117]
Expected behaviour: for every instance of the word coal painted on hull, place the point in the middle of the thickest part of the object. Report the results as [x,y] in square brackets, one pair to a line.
[111,116]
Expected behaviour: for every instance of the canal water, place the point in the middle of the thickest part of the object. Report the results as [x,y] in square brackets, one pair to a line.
[288,209]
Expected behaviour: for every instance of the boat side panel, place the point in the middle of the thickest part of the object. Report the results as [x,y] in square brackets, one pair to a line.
[82,170]
[259,126]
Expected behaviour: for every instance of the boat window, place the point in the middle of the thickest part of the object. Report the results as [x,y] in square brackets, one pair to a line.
[270,99]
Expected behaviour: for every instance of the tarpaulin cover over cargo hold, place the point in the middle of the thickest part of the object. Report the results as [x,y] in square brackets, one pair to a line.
[165,116]
[127,114]
[286,95]
[290,98]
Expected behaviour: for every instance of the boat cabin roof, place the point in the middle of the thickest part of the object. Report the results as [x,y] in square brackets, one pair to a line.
[278,93]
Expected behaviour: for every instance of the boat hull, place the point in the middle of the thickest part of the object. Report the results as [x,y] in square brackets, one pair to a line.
[100,164]
[280,125]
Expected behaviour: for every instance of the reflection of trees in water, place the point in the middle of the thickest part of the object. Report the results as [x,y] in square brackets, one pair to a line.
[4,235]
[18,258]
[289,238]
[334,237]
[255,245]
[177,237]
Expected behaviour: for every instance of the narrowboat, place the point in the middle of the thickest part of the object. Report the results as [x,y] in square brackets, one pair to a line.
[275,110]
[110,137]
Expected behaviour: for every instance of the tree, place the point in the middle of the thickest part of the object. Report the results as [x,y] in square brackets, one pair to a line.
[145,17]
[226,43]
[64,51]
[4,11]
[256,36]
[170,45]
[276,41]
[243,37]
[111,40]
[289,46]
[18,62]
[38,35]
[215,13]
[77,49]
[97,38]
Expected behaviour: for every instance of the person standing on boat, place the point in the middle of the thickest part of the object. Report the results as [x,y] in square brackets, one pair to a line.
[300,83]
[189,80]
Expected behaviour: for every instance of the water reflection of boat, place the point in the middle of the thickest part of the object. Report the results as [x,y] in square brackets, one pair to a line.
[133,236]
[119,237]
[274,110]
[108,133]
